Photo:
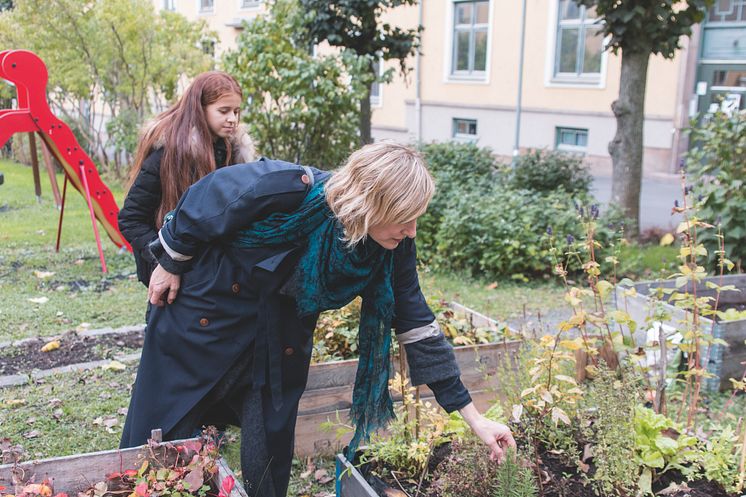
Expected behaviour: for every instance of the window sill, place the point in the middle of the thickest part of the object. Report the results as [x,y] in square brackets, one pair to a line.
[478,78]
[572,150]
[465,138]
[576,82]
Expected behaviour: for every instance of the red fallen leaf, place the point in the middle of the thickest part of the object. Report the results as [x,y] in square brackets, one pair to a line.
[113,476]
[61,494]
[130,472]
[142,490]
[225,488]
[194,445]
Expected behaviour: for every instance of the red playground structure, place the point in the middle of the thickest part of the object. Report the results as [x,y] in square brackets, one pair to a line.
[28,73]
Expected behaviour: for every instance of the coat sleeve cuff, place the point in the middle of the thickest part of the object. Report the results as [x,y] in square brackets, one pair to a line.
[430,360]
[167,262]
[451,394]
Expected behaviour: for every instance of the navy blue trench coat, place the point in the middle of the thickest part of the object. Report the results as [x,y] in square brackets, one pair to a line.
[231,304]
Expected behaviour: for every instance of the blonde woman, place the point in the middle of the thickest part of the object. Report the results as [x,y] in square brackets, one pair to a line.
[252,255]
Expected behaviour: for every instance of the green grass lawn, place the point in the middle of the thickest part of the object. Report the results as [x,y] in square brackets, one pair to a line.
[77,292]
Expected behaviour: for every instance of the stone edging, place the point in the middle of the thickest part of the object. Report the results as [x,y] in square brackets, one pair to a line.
[12,380]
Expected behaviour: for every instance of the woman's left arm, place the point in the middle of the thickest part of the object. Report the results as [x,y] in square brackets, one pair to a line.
[429,355]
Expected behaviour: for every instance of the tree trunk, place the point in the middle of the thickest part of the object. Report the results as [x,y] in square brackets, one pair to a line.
[626,147]
[365,115]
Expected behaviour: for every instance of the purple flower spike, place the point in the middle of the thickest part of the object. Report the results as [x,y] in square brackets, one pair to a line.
[570,239]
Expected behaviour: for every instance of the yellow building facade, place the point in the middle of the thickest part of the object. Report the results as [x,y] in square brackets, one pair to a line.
[464,85]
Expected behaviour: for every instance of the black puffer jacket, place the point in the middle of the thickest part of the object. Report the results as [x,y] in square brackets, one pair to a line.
[137,216]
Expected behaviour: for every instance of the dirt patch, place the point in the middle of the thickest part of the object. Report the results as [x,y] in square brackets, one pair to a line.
[73,349]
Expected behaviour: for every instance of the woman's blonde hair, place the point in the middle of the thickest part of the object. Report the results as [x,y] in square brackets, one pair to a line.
[382,183]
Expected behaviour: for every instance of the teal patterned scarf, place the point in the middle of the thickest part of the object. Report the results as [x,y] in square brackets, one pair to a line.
[329,275]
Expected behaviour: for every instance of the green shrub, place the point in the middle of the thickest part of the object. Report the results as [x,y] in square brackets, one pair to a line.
[503,232]
[456,168]
[717,162]
[548,171]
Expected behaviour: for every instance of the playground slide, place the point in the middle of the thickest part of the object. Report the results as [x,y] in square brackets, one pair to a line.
[29,75]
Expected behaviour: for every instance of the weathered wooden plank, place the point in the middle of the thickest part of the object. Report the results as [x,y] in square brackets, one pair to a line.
[77,472]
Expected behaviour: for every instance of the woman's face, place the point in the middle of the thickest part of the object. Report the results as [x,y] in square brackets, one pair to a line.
[222,115]
[389,236]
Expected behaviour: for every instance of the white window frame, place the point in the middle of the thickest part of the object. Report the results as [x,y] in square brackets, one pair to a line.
[568,80]
[168,5]
[253,4]
[464,137]
[570,148]
[481,77]
[201,10]
[377,100]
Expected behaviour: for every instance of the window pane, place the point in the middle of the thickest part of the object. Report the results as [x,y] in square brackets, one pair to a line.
[480,51]
[375,88]
[582,139]
[464,127]
[729,78]
[462,51]
[568,10]
[463,13]
[593,46]
[206,4]
[568,50]
[483,12]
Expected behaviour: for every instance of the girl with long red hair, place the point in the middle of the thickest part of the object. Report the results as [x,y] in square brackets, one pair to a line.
[197,135]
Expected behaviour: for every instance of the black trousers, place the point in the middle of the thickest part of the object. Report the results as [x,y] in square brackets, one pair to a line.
[233,400]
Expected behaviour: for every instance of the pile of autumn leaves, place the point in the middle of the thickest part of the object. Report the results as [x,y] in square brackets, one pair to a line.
[187,469]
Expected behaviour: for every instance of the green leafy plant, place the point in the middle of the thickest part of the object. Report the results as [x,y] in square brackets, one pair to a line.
[606,420]
[549,170]
[417,429]
[457,168]
[660,444]
[717,164]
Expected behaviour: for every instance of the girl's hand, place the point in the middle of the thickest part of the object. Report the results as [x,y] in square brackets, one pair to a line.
[495,435]
[163,285]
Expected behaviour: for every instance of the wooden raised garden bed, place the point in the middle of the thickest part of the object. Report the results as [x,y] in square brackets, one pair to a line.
[329,387]
[71,474]
[725,362]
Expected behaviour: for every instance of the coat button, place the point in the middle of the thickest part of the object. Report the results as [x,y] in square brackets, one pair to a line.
[204,322]
[289,351]
[236,288]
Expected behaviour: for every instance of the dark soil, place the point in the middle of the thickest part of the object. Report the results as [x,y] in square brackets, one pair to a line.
[73,349]
[557,480]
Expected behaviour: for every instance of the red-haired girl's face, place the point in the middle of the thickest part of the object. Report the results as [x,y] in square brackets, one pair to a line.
[222,115]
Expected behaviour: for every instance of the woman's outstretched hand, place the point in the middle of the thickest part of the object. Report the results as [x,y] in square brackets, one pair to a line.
[163,287]
[495,435]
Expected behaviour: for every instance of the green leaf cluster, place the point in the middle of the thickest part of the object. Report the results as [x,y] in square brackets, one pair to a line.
[299,108]
[660,445]
[550,170]
[717,163]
